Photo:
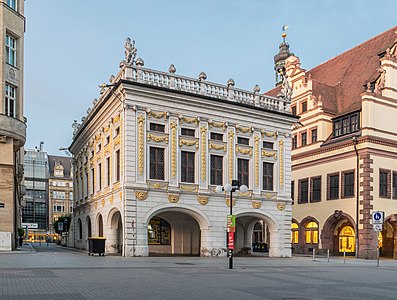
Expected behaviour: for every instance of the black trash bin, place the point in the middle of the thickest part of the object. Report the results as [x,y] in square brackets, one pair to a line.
[96,245]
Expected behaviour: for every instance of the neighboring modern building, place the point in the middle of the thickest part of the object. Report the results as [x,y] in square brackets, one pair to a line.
[12,121]
[344,156]
[60,188]
[35,210]
[150,152]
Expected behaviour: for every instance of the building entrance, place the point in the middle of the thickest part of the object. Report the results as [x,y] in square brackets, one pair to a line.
[347,240]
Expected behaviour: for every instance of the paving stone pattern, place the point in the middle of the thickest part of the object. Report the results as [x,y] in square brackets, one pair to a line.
[55,272]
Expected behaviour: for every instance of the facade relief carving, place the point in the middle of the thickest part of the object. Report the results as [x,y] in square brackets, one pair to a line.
[141,195]
[203,200]
[173,198]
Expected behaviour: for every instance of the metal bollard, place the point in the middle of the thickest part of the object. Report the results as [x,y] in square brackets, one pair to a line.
[344,257]
[314,254]
[328,255]
[377,257]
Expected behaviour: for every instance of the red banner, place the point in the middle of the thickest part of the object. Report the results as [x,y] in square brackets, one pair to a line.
[231,240]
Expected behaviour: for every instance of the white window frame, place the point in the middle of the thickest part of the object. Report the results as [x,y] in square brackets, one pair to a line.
[10,101]
[11,50]
[13,4]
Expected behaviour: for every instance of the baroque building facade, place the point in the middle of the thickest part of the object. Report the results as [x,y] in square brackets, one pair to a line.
[150,152]
[344,149]
[12,121]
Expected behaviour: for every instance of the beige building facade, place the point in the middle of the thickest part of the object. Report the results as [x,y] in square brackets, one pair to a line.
[344,150]
[151,150]
[12,121]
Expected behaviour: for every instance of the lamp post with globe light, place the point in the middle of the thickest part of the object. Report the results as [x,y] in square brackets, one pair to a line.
[235,186]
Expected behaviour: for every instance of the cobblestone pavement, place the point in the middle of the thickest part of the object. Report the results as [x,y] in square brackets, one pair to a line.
[55,272]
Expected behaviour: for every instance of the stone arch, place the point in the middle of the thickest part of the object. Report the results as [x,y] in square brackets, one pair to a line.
[111,214]
[195,213]
[302,246]
[79,229]
[99,225]
[329,233]
[114,231]
[389,237]
[89,226]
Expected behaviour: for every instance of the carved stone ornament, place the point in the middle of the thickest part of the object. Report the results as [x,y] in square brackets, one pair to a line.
[3,139]
[103,202]
[172,69]
[228,202]
[280,206]
[141,195]
[202,76]
[203,200]
[256,204]
[130,51]
[173,198]
[380,83]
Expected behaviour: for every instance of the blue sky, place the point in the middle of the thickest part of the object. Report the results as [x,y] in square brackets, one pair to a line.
[72,46]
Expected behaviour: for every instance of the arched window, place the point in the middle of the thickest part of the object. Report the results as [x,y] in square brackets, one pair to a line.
[294,233]
[80,228]
[311,231]
[89,233]
[159,232]
[257,233]
[346,239]
[100,226]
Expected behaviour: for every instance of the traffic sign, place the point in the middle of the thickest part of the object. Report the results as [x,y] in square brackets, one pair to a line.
[377,227]
[378,217]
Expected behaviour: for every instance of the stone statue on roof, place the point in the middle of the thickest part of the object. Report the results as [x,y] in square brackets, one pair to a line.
[130,51]
[286,90]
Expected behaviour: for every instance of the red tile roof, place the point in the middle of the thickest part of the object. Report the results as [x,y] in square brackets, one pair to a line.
[342,79]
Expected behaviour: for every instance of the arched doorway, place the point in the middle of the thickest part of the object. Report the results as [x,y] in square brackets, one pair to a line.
[294,236]
[114,242]
[347,240]
[79,229]
[173,233]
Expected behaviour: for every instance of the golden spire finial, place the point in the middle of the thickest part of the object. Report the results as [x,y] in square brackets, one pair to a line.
[284,34]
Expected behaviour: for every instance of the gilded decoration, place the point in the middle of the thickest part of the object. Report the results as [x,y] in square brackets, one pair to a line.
[116,119]
[173,126]
[244,151]
[141,153]
[270,134]
[217,146]
[281,147]
[188,143]
[157,138]
[203,152]
[121,195]
[280,206]
[158,185]
[269,195]
[103,202]
[231,158]
[257,140]
[111,199]
[188,188]
[222,125]
[269,154]
[228,202]
[203,200]
[158,115]
[256,204]
[141,195]
[244,129]
[193,120]
[96,205]
[173,198]
[246,194]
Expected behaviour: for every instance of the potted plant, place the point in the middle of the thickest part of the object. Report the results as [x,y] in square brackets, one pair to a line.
[21,233]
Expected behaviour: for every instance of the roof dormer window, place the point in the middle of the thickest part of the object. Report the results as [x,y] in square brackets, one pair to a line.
[346,124]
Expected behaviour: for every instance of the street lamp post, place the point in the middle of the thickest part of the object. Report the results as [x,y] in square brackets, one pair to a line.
[231,219]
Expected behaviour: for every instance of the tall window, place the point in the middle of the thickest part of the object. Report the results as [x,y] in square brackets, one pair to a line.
[311,233]
[314,136]
[156,163]
[303,191]
[10,101]
[348,184]
[117,161]
[293,110]
[92,180]
[383,184]
[107,171]
[304,139]
[315,189]
[216,169]
[294,141]
[12,4]
[394,185]
[294,233]
[333,186]
[243,171]
[304,106]
[268,176]
[11,48]
[187,166]
[293,191]
[99,176]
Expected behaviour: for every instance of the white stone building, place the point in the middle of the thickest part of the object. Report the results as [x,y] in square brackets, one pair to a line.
[151,150]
